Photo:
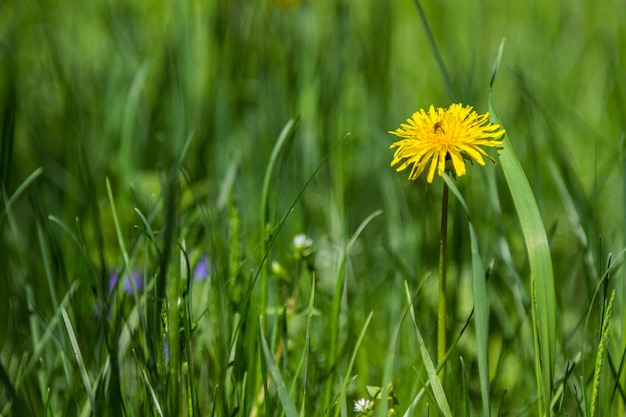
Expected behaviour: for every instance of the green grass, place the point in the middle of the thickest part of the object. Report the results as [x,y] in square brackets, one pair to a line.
[138,137]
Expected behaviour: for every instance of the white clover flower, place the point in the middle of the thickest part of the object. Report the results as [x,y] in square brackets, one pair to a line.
[302,246]
[363,405]
[302,242]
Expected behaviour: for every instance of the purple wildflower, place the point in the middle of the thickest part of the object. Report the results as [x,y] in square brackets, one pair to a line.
[127,284]
[201,271]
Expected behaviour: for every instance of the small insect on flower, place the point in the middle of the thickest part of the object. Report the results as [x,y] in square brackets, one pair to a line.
[430,139]
[437,128]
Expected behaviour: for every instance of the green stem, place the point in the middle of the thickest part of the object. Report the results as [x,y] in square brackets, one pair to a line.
[441,314]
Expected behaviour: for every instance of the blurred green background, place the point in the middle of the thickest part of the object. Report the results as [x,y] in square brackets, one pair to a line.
[116,89]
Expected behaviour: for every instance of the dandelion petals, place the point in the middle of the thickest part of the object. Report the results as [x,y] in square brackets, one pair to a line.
[430,138]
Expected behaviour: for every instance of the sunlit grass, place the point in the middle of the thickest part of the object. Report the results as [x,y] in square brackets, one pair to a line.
[140,140]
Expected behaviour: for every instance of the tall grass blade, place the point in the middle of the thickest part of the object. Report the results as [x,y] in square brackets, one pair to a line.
[541,275]
[147,230]
[433,378]
[433,45]
[338,293]
[285,134]
[283,393]
[307,348]
[352,360]
[481,305]
[600,354]
[156,405]
[23,186]
[49,333]
[10,391]
[79,360]
[382,407]
[118,231]
[45,258]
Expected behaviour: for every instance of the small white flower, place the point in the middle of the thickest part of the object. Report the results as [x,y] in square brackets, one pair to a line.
[363,405]
[302,242]
[277,268]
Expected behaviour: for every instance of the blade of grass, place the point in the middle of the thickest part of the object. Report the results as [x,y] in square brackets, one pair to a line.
[481,305]
[45,257]
[600,354]
[285,134]
[449,353]
[191,389]
[433,44]
[382,406]
[8,111]
[338,293]
[621,380]
[597,293]
[242,399]
[147,230]
[283,393]
[23,186]
[433,378]
[118,233]
[464,391]
[156,405]
[79,359]
[273,236]
[409,411]
[541,273]
[42,343]
[347,378]
[618,375]
[276,229]
[307,349]
[18,404]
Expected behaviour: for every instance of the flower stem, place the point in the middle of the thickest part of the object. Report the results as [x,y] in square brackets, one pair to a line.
[441,314]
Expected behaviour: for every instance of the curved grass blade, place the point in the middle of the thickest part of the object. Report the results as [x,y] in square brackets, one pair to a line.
[600,354]
[307,349]
[118,230]
[336,306]
[285,134]
[347,378]
[339,286]
[283,393]
[156,404]
[433,45]
[23,186]
[79,360]
[541,273]
[481,304]
[599,288]
[434,380]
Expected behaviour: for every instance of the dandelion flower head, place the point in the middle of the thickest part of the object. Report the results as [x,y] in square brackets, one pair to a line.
[431,138]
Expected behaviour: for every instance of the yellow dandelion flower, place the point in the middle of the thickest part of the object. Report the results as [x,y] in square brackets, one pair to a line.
[454,134]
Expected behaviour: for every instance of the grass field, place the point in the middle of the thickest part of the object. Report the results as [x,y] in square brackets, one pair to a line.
[198,214]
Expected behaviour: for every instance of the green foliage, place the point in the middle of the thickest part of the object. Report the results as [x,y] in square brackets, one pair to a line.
[543,299]
[481,305]
[227,162]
